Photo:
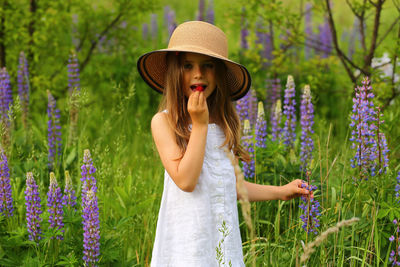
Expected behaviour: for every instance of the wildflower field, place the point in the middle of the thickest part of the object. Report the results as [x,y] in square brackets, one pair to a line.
[81,181]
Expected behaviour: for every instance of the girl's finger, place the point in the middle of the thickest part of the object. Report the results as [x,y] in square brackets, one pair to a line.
[201,99]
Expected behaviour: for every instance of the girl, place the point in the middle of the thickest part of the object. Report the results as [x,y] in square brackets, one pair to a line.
[196,121]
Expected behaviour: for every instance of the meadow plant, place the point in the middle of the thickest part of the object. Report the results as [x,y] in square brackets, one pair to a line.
[53,131]
[308,30]
[310,207]
[210,12]
[244,32]
[200,12]
[154,26]
[395,254]
[249,168]
[169,15]
[6,201]
[276,116]
[23,87]
[73,73]
[367,139]
[397,188]
[87,172]
[55,206]
[145,31]
[242,108]
[261,127]
[310,247]
[91,229]
[69,197]
[273,92]
[33,208]
[307,122]
[325,38]
[289,111]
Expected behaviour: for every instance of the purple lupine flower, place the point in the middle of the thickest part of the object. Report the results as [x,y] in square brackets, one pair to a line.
[73,74]
[55,206]
[325,38]
[310,207]
[397,188]
[169,15]
[91,229]
[276,116]
[154,26]
[6,201]
[53,131]
[261,127]
[87,172]
[363,126]
[307,122]
[308,30]
[5,96]
[200,12]
[273,91]
[210,12]
[353,38]
[289,134]
[394,254]
[145,31]
[69,197]
[23,87]
[33,208]
[247,107]
[244,32]
[249,169]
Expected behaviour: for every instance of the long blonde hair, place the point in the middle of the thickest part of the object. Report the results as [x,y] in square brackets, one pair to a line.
[220,106]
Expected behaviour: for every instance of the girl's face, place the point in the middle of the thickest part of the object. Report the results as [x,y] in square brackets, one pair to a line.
[198,70]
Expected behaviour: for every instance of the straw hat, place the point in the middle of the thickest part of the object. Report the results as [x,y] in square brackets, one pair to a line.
[196,37]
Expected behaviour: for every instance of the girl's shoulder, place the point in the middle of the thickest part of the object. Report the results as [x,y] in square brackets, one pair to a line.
[160,118]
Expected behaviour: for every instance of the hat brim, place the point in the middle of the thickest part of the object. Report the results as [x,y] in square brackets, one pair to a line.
[152,67]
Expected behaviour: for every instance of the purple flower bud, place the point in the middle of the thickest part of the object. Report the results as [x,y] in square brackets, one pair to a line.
[87,172]
[69,198]
[276,116]
[5,96]
[210,12]
[55,206]
[6,201]
[261,127]
[33,208]
[307,122]
[289,111]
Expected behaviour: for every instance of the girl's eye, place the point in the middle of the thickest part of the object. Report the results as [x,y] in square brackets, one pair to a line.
[187,66]
[209,65]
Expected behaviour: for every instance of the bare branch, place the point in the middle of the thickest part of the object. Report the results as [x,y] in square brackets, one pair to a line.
[388,31]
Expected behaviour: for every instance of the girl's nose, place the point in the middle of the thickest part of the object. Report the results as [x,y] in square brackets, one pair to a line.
[197,72]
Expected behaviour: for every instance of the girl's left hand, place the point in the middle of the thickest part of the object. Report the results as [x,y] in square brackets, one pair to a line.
[294,189]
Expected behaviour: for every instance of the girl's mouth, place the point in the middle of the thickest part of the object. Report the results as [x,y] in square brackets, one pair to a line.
[198,87]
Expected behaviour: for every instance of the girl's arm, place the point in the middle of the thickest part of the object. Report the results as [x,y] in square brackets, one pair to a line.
[257,192]
[186,171]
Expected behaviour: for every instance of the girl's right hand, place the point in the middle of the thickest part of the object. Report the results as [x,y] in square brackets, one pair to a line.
[197,108]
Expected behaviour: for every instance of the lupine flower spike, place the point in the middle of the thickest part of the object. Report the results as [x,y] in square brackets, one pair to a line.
[33,208]
[261,127]
[397,188]
[69,198]
[87,171]
[247,141]
[310,207]
[54,131]
[307,122]
[6,201]
[363,133]
[55,206]
[289,111]
[395,254]
[276,120]
[5,104]
[23,87]
[91,229]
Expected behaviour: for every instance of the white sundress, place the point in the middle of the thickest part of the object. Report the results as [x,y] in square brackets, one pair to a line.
[188,224]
